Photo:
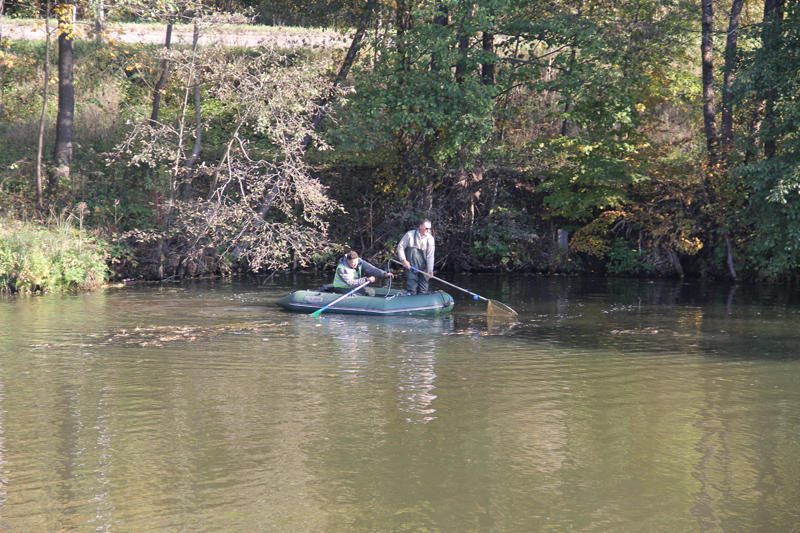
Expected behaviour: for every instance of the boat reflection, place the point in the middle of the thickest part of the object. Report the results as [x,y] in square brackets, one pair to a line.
[408,347]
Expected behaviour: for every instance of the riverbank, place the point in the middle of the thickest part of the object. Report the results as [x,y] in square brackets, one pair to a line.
[57,257]
[279,159]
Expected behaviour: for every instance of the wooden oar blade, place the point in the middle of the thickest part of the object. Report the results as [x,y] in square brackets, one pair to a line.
[497,309]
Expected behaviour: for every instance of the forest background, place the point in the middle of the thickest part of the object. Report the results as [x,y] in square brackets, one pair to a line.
[646,137]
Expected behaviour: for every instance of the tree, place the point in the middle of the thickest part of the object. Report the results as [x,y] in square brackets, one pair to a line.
[424,98]
[770,81]
[261,110]
[43,115]
[2,16]
[164,76]
[65,121]
[97,9]
[326,98]
[709,105]
[771,37]
[731,45]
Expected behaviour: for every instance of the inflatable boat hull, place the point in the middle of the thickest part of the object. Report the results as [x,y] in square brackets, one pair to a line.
[386,302]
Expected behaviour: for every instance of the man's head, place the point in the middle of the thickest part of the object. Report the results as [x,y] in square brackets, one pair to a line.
[352,258]
[424,227]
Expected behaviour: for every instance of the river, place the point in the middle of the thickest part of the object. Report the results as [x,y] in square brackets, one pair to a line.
[611,405]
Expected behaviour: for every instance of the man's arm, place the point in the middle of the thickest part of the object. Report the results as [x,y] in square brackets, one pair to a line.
[401,248]
[429,254]
[372,270]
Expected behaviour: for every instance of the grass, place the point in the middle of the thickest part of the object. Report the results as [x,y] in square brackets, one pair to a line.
[53,258]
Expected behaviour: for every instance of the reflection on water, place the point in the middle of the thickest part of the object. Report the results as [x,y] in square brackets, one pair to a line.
[417,381]
[608,405]
[3,472]
[412,341]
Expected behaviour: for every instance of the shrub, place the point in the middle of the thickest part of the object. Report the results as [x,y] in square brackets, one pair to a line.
[59,257]
[504,239]
[624,259]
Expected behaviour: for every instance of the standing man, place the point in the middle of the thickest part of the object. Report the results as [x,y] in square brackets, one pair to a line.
[416,249]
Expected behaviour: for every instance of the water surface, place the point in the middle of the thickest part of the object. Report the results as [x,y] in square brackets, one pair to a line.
[609,406]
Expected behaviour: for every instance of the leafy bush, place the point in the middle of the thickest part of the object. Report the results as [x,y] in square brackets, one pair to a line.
[626,260]
[594,239]
[35,258]
[503,239]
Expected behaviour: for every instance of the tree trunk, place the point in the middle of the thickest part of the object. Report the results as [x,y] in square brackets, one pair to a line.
[424,192]
[99,20]
[43,116]
[568,99]
[65,123]
[754,131]
[181,188]
[442,18]
[487,69]
[773,19]
[565,124]
[676,262]
[162,79]
[403,21]
[729,254]
[198,116]
[709,108]
[761,119]
[731,46]
[715,212]
[463,54]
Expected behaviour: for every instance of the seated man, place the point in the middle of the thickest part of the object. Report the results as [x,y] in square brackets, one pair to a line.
[350,274]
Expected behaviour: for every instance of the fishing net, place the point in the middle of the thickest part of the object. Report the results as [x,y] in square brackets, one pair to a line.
[497,309]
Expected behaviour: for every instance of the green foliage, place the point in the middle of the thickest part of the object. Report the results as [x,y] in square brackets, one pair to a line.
[410,106]
[587,177]
[770,82]
[613,71]
[36,258]
[503,241]
[625,260]
[595,110]
[108,96]
[597,240]
[773,249]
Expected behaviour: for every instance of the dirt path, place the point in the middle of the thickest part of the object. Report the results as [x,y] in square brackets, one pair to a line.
[249,36]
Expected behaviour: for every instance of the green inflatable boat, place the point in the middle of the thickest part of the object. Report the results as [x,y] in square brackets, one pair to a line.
[386,302]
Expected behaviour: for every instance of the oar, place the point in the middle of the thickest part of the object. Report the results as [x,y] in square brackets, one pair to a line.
[493,306]
[319,311]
